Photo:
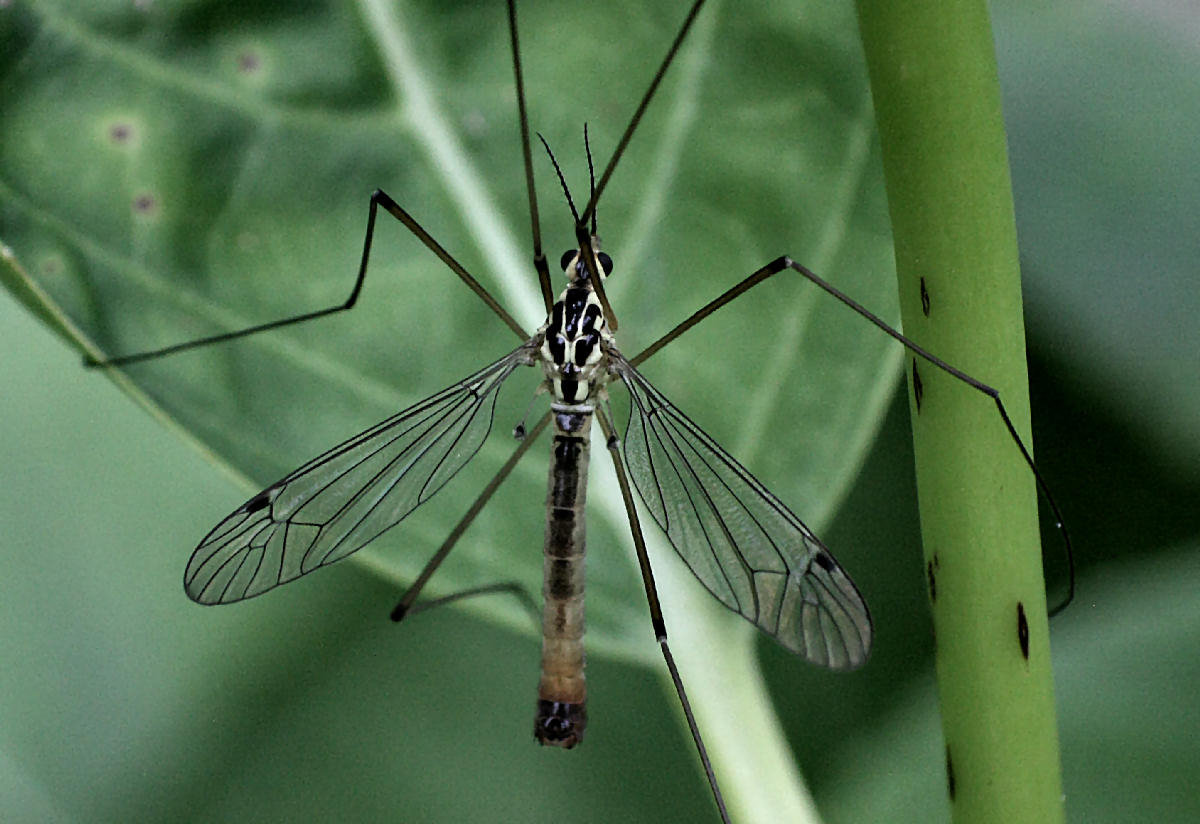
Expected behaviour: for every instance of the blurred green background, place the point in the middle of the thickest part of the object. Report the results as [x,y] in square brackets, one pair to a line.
[123,701]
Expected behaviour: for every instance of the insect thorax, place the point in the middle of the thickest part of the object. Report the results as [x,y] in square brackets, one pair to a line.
[572,355]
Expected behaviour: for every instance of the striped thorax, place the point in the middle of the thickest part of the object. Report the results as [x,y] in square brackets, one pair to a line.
[573,336]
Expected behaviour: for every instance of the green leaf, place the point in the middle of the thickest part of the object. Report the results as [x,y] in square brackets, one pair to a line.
[170,172]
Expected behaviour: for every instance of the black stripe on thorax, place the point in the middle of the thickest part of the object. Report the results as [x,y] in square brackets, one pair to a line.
[574,302]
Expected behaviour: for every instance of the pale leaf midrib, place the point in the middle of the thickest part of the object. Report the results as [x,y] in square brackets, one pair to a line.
[463,183]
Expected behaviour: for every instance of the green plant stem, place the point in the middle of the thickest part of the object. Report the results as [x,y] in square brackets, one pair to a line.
[937,101]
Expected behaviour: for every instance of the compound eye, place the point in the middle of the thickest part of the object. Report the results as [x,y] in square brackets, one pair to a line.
[566,259]
[605,263]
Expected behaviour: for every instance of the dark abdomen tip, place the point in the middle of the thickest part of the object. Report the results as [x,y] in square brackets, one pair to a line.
[559,724]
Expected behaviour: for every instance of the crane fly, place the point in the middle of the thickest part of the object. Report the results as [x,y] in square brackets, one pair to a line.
[744,545]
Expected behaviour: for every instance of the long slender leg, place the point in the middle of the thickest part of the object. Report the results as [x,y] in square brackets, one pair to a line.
[378,198]
[405,606]
[539,257]
[637,114]
[656,618]
[511,587]
[778,265]
[582,236]
[585,239]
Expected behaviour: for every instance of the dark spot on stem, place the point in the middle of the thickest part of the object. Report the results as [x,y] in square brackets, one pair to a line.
[120,132]
[924,298]
[144,204]
[950,783]
[918,387]
[1022,631]
[249,62]
[931,574]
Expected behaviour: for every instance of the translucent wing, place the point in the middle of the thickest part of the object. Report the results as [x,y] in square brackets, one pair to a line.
[339,502]
[743,544]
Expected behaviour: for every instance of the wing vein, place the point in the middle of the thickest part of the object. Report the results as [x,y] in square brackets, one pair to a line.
[339,501]
[739,539]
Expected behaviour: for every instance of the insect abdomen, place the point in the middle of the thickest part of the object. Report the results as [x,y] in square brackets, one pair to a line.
[562,690]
